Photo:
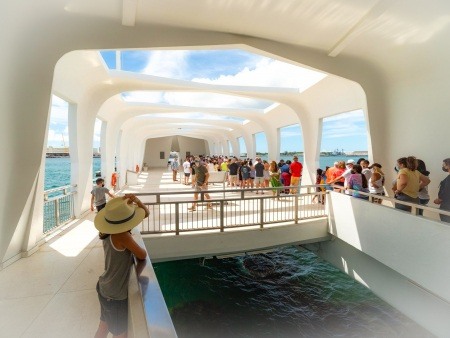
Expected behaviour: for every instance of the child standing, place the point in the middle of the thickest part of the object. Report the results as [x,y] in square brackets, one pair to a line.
[99,195]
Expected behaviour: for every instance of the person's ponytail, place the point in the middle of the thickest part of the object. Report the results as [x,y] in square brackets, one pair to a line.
[411,163]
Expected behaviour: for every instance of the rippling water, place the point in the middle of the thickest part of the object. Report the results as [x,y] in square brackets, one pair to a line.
[299,295]
[57,171]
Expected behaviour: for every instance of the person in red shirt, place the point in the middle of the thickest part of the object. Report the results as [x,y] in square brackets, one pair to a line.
[295,169]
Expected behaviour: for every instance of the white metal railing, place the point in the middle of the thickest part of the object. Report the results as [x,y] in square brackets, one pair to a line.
[148,315]
[169,211]
[233,208]
[58,206]
[413,208]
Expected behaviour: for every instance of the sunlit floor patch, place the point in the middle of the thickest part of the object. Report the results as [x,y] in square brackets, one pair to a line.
[76,240]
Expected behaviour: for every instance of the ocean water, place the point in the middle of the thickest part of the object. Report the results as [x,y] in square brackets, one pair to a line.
[57,171]
[286,293]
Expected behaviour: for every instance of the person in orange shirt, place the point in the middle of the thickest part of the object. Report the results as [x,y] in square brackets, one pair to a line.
[330,175]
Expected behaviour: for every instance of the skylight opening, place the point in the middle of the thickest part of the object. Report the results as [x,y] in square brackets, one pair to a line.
[233,67]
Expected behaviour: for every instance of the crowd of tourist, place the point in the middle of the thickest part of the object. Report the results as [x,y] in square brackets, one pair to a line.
[410,185]
[244,173]
[354,178]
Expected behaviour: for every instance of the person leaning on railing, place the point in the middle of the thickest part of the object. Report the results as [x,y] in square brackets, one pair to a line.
[444,192]
[114,222]
[409,182]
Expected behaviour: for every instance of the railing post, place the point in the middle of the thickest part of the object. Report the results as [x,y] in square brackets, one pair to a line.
[296,199]
[56,201]
[222,213]
[261,212]
[177,218]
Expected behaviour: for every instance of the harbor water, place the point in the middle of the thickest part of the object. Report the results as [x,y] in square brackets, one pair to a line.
[289,292]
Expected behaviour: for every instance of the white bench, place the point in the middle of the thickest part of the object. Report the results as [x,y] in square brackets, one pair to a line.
[218,177]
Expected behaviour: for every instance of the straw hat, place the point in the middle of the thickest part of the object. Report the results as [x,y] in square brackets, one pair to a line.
[118,216]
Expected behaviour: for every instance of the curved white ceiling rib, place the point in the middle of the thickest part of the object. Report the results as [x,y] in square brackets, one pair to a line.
[124,114]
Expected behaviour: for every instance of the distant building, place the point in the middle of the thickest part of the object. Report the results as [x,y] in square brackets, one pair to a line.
[64,152]
[357,153]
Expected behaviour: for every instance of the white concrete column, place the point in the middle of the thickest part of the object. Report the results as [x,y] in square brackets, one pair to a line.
[312,137]
[104,151]
[81,131]
[273,143]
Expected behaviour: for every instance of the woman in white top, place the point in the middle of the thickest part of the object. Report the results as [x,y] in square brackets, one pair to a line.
[211,166]
[376,181]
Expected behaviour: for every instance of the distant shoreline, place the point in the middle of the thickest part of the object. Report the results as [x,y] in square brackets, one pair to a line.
[66,156]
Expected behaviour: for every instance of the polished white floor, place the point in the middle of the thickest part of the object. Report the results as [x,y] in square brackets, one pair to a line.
[52,292]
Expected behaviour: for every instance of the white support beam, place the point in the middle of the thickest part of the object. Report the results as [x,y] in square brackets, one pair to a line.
[129,10]
[377,10]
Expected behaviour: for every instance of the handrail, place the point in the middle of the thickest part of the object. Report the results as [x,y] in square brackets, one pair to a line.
[66,190]
[170,215]
[148,310]
[413,206]
[58,209]
[238,209]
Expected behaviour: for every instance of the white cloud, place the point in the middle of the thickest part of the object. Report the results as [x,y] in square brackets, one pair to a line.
[270,73]
[170,65]
[348,124]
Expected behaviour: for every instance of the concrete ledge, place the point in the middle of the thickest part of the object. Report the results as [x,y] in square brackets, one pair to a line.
[166,247]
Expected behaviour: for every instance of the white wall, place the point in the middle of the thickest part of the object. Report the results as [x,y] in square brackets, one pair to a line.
[154,146]
[195,244]
[401,257]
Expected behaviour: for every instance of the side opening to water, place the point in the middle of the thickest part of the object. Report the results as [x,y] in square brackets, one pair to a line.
[289,292]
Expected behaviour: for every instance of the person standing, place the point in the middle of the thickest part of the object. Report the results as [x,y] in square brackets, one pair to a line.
[424,196]
[344,175]
[365,169]
[201,183]
[259,175]
[286,176]
[266,173]
[174,166]
[233,172]
[295,169]
[193,177]
[98,195]
[274,178]
[114,222]
[443,198]
[186,170]
[409,182]
[357,181]
[376,182]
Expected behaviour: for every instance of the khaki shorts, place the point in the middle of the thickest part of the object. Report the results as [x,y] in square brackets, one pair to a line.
[200,187]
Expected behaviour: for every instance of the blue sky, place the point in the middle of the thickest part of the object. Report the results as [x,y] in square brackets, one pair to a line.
[228,67]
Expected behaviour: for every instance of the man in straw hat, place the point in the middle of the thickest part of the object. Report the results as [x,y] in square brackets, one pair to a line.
[120,215]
